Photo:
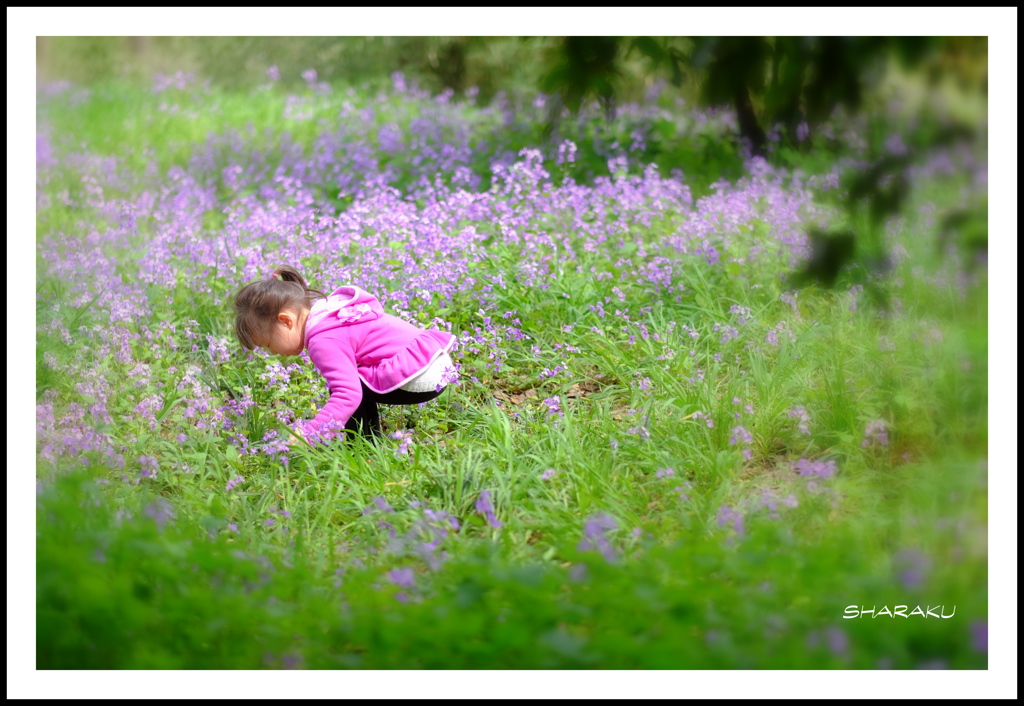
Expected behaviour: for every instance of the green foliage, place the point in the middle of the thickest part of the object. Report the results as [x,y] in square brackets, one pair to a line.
[126,589]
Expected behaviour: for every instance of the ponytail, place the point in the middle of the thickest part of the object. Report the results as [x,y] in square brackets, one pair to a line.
[287,273]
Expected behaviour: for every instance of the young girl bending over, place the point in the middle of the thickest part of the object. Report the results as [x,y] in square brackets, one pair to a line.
[367,356]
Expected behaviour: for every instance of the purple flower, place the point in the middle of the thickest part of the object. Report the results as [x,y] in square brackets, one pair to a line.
[727,515]
[682,490]
[728,332]
[483,505]
[815,469]
[894,145]
[403,578]
[803,131]
[709,252]
[426,551]
[595,531]
[566,152]
[546,475]
[790,298]
[149,466]
[554,406]
[233,482]
[406,439]
[837,641]
[742,313]
[665,473]
[800,413]
[875,434]
[644,384]
[979,635]
[273,74]
[160,512]
[740,434]
[441,517]
[772,337]
[382,505]
[912,568]
[641,431]
[309,75]
[706,417]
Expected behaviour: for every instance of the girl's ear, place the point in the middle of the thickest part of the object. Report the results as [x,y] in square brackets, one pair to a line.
[286,318]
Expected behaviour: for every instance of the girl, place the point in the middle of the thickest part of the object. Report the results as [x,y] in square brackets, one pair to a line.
[367,356]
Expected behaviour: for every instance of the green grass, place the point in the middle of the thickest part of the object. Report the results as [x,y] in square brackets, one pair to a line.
[217,587]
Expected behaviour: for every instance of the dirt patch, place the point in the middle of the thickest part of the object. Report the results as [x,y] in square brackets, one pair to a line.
[516,398]
[583,389]
[774,475]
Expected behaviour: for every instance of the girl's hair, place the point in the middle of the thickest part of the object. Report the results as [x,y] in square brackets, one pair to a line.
[257,304]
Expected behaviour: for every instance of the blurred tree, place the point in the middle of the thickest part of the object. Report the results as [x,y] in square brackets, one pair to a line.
[830,251]
[451,64]
[965,59]
[581,67]
[733,68]
[765,79]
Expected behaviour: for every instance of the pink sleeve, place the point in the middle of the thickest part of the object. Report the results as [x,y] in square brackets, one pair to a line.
[334,358]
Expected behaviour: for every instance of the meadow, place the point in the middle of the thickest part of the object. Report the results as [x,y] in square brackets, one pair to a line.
[660,453]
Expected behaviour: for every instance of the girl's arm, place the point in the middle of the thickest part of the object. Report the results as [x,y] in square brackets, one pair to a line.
[335,360]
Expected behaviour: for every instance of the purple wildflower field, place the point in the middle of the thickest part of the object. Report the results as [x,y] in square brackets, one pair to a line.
[232,210]
[645,404]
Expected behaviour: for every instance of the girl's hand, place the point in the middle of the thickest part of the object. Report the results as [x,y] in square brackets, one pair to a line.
[297,439]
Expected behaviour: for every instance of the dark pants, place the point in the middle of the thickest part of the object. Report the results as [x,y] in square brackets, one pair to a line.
[366,420]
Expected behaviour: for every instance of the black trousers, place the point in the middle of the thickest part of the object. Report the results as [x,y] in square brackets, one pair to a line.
[366,420]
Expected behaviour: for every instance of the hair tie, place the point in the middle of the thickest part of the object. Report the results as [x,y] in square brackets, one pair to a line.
[275,275]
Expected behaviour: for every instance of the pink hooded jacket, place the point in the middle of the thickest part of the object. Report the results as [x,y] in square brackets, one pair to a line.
[350,339]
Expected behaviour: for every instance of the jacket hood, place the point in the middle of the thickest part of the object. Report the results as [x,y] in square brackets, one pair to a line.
[345,306]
